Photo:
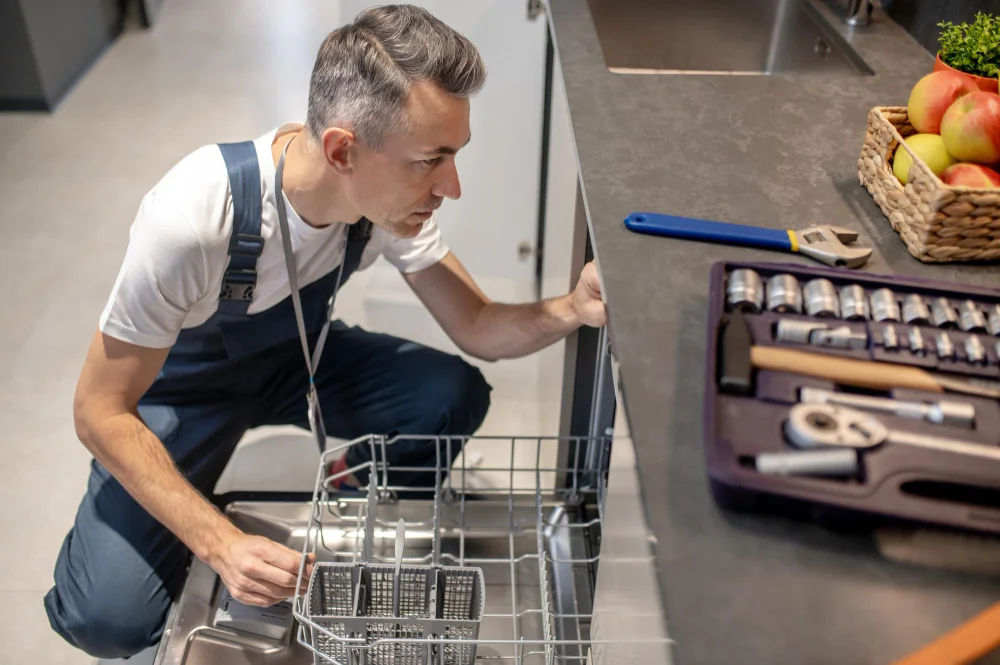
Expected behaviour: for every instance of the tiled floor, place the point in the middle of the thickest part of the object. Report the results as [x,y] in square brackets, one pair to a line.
[69,185]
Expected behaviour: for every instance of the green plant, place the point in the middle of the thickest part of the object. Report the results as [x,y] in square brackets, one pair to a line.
[973,49]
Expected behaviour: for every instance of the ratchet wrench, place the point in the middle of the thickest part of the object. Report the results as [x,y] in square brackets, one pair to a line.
[827,425]
[944,412]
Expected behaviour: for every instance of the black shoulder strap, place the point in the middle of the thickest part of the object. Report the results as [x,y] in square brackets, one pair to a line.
[246,243]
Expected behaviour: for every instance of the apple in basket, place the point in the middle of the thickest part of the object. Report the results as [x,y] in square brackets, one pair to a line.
[971,128]
[971,175]
[933,95]
[928,147]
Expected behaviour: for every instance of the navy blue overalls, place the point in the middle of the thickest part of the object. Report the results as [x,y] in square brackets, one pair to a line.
[119,569]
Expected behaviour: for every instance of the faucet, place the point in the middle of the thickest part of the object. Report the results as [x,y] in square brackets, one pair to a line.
[858,12]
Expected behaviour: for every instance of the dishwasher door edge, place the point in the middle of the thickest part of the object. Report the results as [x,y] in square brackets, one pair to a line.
[629,621]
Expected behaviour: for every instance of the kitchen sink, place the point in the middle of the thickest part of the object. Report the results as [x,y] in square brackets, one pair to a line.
[721,37]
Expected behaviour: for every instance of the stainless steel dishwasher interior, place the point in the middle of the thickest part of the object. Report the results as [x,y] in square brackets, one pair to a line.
[539,571]
[721,37]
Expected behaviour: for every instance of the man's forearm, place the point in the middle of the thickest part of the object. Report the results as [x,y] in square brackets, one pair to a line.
[140,462]
[511,331]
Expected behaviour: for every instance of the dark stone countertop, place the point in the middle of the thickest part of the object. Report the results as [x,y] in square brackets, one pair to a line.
[777,151]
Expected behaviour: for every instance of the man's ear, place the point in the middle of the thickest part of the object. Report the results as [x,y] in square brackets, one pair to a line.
[339,148]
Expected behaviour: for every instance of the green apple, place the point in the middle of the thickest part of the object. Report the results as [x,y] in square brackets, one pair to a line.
[928,147]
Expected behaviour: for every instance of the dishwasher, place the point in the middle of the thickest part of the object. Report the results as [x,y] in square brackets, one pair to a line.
[564,558]
[536,538]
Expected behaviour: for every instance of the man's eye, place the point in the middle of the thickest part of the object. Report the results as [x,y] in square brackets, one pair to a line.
[430,162]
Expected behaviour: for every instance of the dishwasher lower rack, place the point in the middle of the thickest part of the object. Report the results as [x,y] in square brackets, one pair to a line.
[520,553]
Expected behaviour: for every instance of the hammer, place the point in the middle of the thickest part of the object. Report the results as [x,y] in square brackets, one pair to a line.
[738,357]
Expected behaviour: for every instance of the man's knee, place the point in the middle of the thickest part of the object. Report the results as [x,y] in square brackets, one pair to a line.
[105,627]
[107,600]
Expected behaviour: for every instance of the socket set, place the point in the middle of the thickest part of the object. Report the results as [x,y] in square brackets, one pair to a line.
[852,398]
[921,326]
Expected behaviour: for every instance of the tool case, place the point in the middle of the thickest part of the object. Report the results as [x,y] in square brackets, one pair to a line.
[955,335]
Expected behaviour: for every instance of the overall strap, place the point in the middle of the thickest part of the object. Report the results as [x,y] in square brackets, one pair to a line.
[246,243]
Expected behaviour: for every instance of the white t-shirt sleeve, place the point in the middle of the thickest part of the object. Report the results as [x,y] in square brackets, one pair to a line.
[163,275]
[417,253]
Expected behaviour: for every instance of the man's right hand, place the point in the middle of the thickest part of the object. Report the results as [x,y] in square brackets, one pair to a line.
[115,376]
[258,571]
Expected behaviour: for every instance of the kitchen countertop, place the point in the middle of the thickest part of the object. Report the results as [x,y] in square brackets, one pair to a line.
[777,151]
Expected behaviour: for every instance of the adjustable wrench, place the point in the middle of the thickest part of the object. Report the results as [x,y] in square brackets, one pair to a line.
[832,245]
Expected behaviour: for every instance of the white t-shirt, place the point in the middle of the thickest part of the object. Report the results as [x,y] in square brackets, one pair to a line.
[178,250]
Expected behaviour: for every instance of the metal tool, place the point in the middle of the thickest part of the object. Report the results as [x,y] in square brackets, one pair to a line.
[943,314]
[853,302]
[840,338]
[885,307]
[744,291]
[784,294]
[915,310]
[993,322]
[734,372]
[821,298]
[975,352]
[819,334]
[890,339]
[970,319]
[826,425]
[835,462]
[826,244]
[942,412]
[945,347]
[916,339]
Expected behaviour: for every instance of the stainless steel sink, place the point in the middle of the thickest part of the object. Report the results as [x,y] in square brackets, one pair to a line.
[721,37]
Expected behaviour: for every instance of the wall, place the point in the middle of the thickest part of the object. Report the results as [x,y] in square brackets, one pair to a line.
[49,44]
[920,17]
[20,85]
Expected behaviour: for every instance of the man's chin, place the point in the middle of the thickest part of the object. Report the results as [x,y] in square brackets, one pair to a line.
[407,228]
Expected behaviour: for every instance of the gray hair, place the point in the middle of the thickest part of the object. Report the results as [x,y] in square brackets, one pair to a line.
[364,70]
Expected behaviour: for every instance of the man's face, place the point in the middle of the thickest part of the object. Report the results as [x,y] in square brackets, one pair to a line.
[400,186]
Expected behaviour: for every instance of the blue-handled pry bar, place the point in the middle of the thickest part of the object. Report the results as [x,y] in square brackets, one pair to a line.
[827,244]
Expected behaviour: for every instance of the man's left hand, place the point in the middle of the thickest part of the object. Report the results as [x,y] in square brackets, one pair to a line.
[587,298]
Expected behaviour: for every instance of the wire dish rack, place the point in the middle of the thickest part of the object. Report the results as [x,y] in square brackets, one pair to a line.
[515,556]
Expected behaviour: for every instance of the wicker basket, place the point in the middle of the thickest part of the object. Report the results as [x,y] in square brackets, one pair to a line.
[938,223]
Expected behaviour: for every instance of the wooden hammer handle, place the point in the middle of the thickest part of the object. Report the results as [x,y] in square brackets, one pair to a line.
[846,371]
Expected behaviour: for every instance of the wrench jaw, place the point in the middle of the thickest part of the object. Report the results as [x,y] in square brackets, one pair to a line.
[826,244]
[846,236]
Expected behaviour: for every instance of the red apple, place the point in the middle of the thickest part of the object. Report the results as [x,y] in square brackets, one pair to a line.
[931,97]
[976,176]
[971,128]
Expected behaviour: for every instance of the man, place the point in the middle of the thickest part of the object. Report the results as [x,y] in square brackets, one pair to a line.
[200,339]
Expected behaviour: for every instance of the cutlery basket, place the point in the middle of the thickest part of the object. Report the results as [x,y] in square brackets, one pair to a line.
[361,604]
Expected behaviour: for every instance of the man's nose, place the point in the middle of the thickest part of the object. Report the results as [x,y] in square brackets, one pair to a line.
[448,186]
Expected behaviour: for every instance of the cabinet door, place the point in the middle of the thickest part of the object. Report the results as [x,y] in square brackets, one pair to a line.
[499,170]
